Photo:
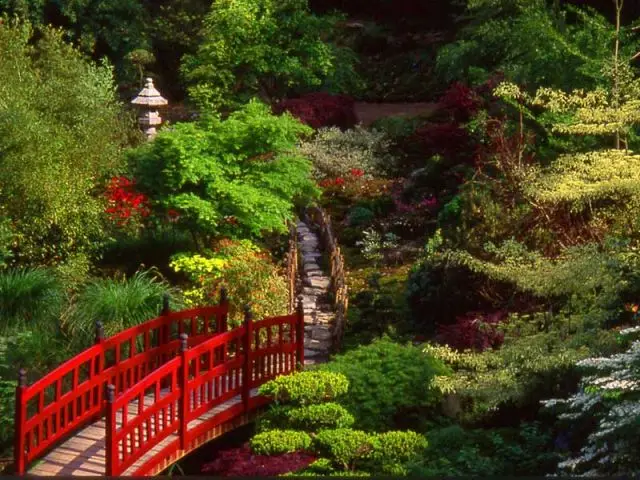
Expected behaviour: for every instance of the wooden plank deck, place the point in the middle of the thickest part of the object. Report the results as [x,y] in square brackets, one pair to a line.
[84,453]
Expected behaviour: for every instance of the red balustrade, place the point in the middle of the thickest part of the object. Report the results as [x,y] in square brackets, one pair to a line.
[161,378]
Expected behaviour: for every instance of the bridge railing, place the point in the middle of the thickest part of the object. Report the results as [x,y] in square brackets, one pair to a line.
[72,395]
[175,399]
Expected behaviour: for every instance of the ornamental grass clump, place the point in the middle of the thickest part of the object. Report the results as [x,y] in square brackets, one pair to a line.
[119,303]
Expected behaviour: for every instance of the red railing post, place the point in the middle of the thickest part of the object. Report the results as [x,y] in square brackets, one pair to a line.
[247,374]
[300,334]
[224,302]
[111,450]
[184,391]
[20,419]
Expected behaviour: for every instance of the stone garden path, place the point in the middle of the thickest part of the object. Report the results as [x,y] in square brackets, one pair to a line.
[318,313]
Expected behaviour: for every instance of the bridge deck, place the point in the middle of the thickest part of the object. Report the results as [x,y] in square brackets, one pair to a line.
[84,453]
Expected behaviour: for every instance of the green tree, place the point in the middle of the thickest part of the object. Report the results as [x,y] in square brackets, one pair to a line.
[533,44]
[233,177]
[262,47]
[61,131]
[99,28]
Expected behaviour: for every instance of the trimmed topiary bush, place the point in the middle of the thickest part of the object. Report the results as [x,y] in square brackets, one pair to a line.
[305,388]
[392,450]
[274,442]
[347,447]
[316,417]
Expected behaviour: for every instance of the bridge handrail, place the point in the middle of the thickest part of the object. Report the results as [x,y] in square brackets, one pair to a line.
[46,411]
[200,379]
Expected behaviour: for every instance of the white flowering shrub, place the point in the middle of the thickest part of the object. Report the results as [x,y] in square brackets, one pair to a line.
[609,396]
[334,153]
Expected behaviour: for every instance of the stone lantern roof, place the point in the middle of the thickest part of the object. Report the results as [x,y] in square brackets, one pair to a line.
[149,96]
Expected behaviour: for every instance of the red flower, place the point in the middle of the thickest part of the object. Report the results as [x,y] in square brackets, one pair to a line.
[356,172]
[339,181]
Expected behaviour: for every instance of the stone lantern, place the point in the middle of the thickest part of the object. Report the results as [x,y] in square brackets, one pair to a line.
[148,100]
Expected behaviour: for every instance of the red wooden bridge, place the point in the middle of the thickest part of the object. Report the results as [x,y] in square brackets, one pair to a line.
[135,403]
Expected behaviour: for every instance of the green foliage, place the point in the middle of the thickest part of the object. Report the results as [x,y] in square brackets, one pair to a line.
[274,442]
[334,152]
[531,43]
[308,387]
[232,177]
[6,241]
[537,358]
[247,272]
[455,451]
[393,450]
[321,416]
[61,131]
[349,448]
[113,28]
[386,381]
[7,410]
[29,298]
[360,217]
[119,303]
[263,48]
[590,280]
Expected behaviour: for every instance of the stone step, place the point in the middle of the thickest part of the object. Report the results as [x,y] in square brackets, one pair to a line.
[321,333]
[319,282]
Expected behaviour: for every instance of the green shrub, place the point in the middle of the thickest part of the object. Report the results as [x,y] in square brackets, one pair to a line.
[119,303]
[360,217]
[29,297]
[397,126]
[344,446]
[386,380]
[395,449]
[274,442]
[61,133]
[309,387]
[248,273]
[265,48]
[456,451]
[235,177]
[320,416]
[334,153]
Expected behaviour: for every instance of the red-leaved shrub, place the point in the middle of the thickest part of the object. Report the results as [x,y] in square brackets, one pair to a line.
[447,139]
[461,101]
[240,462]
[321,110]
[474,331]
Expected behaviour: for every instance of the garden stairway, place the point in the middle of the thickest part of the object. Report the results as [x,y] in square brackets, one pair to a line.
[316,283]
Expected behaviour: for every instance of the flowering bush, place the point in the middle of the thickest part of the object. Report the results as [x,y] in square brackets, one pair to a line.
[248,273]
[125,205]
[473,331]
[241,462]
[358,151]
[608,401]
[321,110]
